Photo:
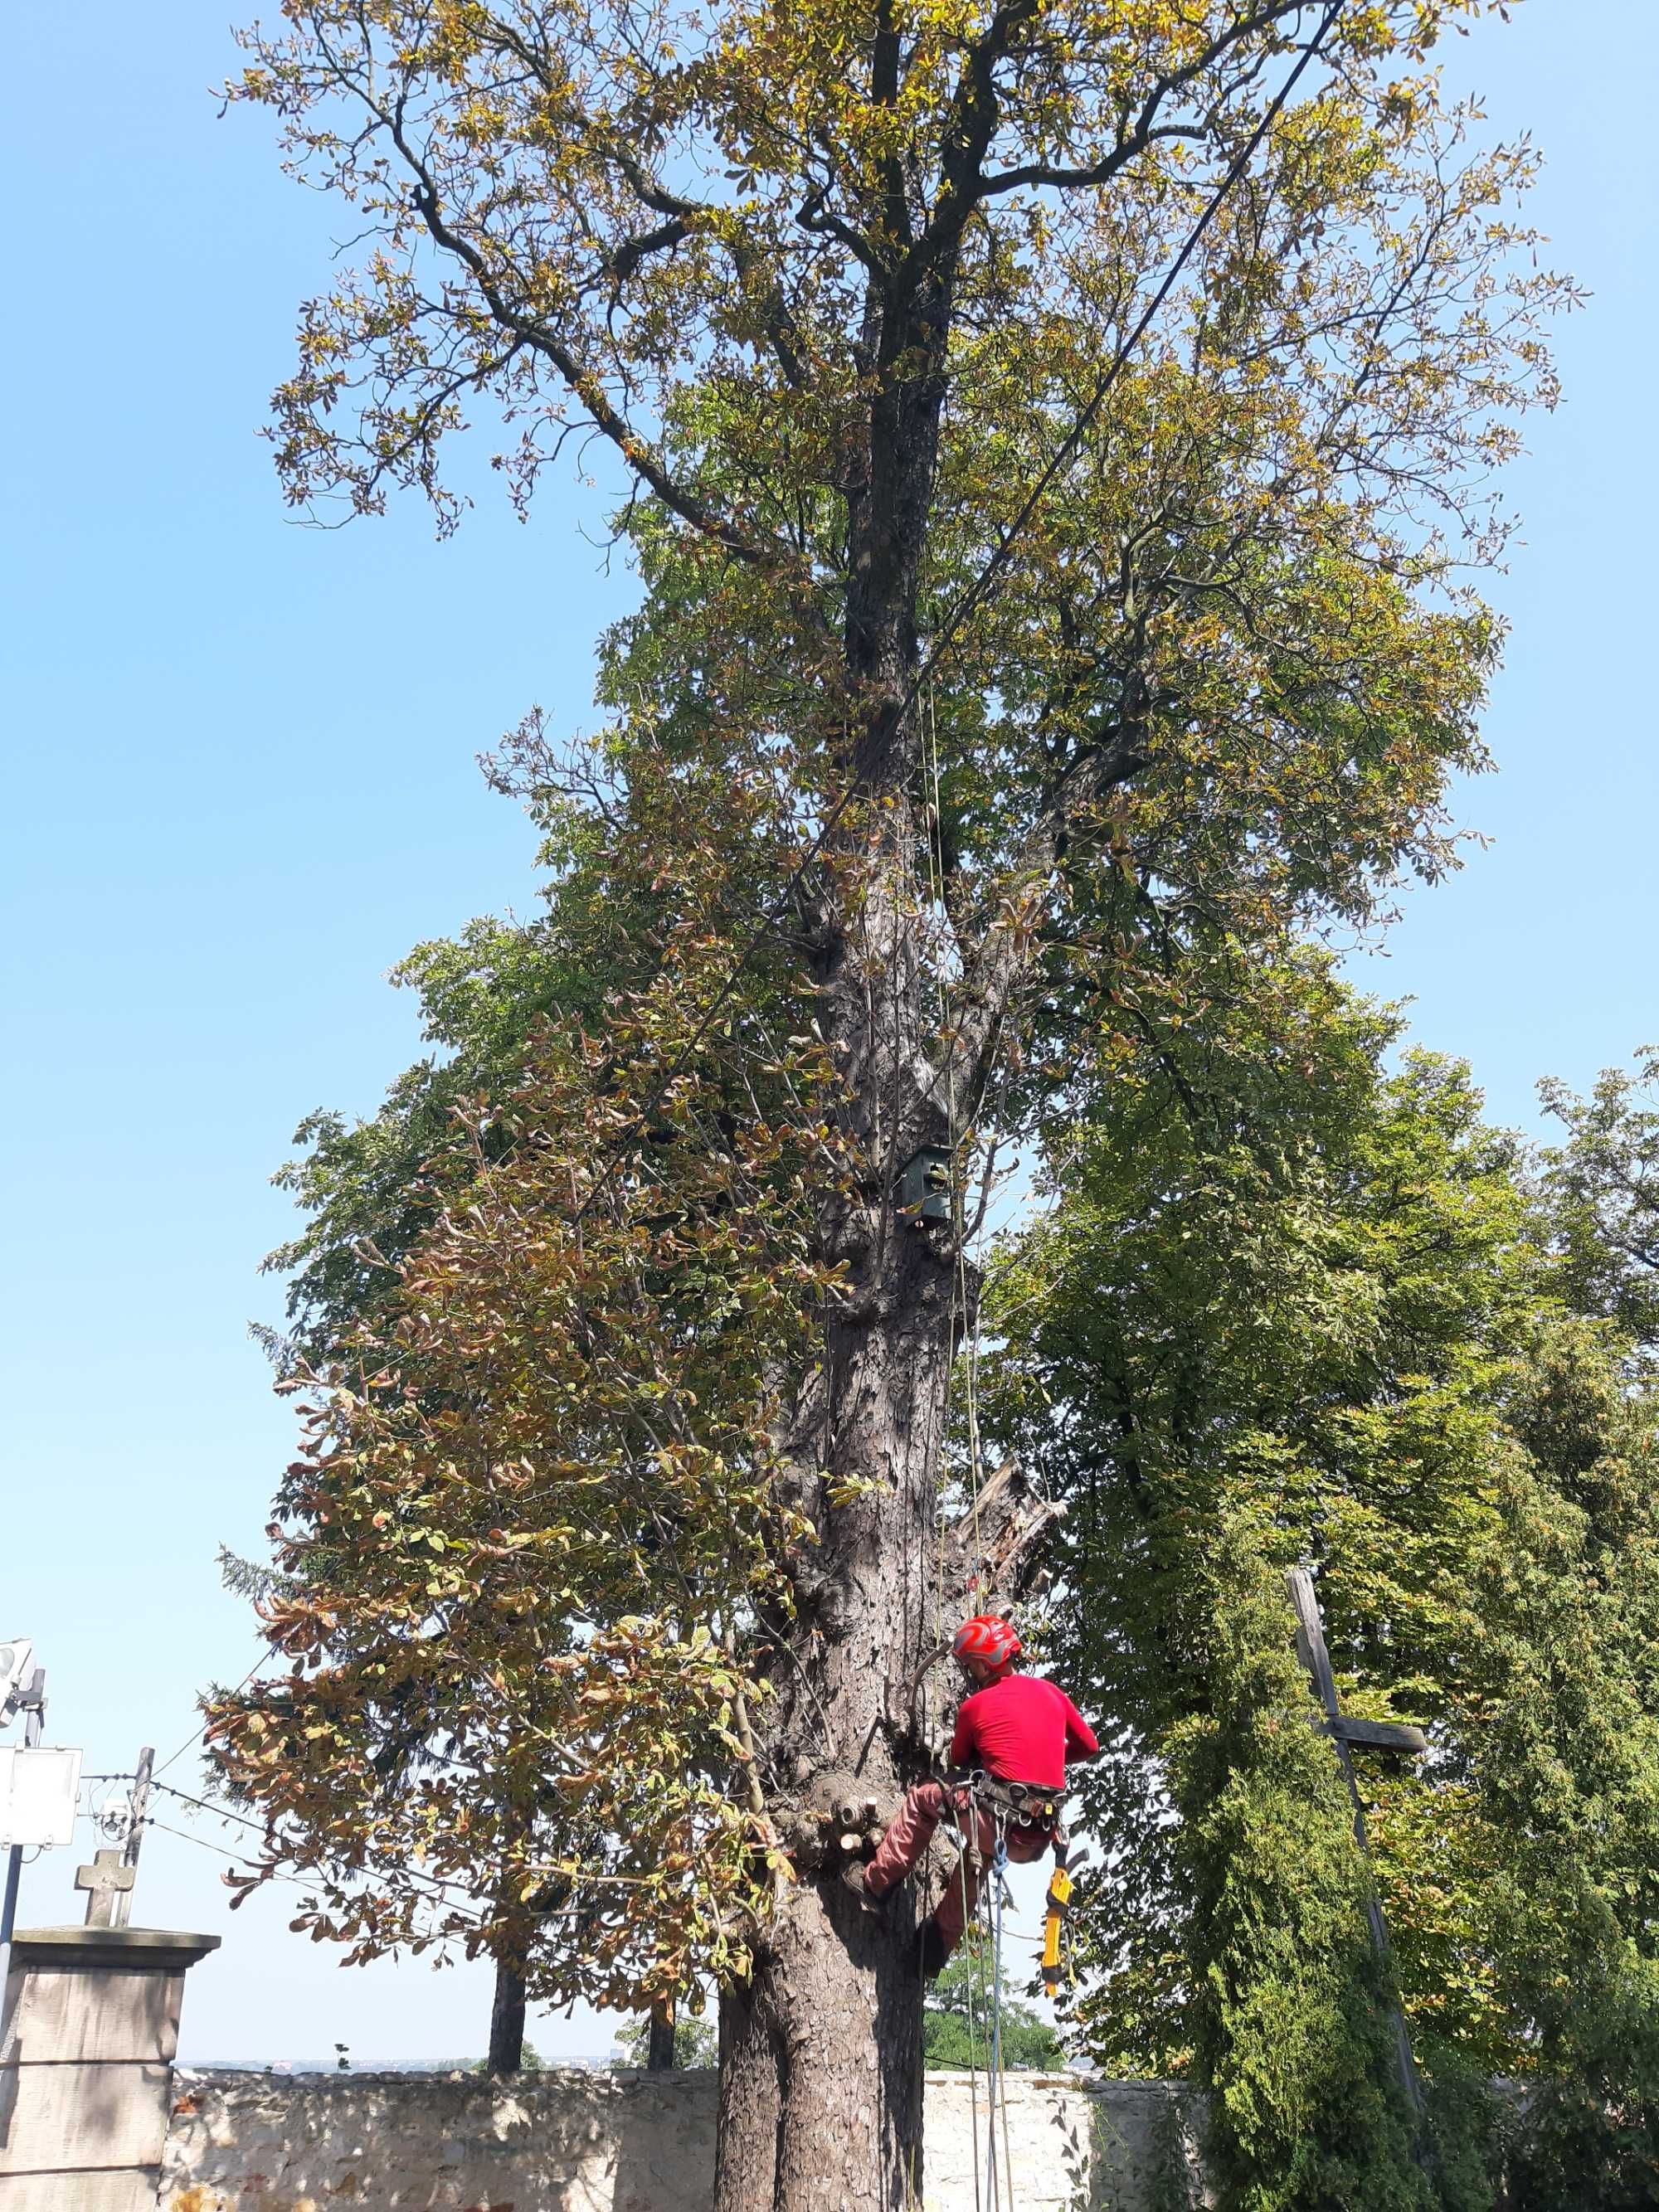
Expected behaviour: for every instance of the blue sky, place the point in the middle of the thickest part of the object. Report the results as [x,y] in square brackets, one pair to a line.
[243,784]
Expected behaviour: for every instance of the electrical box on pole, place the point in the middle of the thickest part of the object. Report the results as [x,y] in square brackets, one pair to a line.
[39,1785]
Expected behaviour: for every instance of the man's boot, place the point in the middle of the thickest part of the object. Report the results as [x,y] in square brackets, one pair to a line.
[930,1952]
[854,1877]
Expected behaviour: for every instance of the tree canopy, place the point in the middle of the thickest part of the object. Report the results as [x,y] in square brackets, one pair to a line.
[992,682]
[1289,1305]
[1600,1191]
[955,2031]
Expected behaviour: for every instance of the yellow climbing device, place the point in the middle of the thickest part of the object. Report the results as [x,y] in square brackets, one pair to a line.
[1058,1897]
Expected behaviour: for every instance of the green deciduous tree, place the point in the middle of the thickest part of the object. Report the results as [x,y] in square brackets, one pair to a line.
[1600,1190]
[1288,2009]
[631,1462]
[1289,1305]
[695,2043]
[530,2061]
[956,2029]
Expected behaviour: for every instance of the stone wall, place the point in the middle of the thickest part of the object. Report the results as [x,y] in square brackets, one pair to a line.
[575,2141]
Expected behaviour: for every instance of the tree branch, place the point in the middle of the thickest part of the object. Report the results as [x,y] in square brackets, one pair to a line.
[1098,172]
[624,259]
[966,185]
[640,456]
[1004,950]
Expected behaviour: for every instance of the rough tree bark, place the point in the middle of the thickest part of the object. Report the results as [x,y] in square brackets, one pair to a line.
[507,2015]
[821,2072]
[660,2040]
[820,2053]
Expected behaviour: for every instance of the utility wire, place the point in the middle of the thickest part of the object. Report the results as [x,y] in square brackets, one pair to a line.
[219,1812]
[437,1890]
[434,1882]
[1064,453]
[577,1875]
[289,1880]
[196,1737]
[292,1881]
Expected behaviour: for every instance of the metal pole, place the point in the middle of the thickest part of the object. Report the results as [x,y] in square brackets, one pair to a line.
[34,1703]
[121,1903]
[8,1910]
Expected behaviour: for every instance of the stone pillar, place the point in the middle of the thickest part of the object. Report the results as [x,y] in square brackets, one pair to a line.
[86,2044]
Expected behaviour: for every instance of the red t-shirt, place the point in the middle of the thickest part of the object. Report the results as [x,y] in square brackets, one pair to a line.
[1022,1729]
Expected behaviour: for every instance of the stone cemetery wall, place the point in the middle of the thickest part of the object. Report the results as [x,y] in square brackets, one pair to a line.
[578,2141]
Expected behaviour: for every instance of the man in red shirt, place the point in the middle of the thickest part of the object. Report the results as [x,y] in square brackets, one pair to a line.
[1016,1728]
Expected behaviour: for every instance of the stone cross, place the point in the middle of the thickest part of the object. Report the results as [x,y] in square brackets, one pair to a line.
[1349,1734]
[105,1879]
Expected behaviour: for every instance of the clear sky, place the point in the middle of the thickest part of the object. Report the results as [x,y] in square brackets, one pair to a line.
[242,784]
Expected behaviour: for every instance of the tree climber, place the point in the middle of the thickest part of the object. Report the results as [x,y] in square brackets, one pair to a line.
[1014,1735]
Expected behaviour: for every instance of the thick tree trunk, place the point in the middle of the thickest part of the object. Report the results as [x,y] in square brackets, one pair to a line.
[821,2068]
[660,2040]
[507,2020]
[821,2051]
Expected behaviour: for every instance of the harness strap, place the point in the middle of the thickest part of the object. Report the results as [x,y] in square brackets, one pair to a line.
[1028,1804]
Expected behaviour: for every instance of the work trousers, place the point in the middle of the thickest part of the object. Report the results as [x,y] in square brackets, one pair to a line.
[911,1831]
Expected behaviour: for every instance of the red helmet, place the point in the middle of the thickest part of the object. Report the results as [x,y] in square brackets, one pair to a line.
[987,1637]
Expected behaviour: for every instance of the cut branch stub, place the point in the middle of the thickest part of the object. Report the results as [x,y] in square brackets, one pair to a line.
[834,1815]
[994,1546]
[991,1551]
[1379,1736]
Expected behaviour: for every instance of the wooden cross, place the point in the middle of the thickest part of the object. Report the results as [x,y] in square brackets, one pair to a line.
[1350,1735]
[106,1878]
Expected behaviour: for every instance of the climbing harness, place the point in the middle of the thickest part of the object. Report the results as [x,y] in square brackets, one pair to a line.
[1025,1804]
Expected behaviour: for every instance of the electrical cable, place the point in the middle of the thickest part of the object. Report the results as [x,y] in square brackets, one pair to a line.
[577,1875]
[960,1872]
[199,1733]
[436,1889]
[435,1884]
[992,1907]
[292,1881]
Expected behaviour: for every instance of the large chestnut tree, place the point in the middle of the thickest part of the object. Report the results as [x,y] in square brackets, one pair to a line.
[624,1502]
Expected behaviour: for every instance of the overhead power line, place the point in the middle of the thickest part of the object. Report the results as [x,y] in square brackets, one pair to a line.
[195,1737]
[1062,457]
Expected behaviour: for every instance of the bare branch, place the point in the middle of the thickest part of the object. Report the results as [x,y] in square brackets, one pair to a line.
[585,385]
[1067,821]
